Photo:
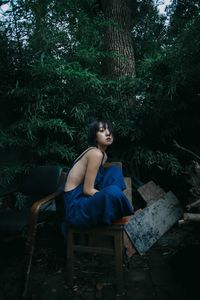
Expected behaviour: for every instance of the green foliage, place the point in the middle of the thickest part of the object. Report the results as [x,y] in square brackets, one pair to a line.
[52,85]
[10,170]
[149,32]
[163,161]
[20,200]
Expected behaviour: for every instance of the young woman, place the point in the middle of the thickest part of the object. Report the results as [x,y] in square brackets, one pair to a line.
[93,194]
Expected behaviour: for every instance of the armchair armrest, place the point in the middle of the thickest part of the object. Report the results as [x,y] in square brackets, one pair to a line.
[34,215]
[32,230]
[38,204]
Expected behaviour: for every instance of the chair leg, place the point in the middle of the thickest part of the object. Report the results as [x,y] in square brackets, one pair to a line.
[118,241]
[30,247]
[70,258]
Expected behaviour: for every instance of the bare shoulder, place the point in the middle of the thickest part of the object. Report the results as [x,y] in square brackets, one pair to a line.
[94,154]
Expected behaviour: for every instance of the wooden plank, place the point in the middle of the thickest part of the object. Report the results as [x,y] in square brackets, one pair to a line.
[128,190]
[146,227]
[191,217]
[150,192]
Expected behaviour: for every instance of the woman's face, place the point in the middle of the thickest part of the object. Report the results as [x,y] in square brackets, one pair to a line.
[103,136]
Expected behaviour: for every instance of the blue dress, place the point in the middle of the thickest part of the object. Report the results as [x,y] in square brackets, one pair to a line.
[109,204]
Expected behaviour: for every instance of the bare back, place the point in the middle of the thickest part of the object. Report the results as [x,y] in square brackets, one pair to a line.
[84,170]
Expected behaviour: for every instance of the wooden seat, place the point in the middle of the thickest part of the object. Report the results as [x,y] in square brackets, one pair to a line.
[92,240]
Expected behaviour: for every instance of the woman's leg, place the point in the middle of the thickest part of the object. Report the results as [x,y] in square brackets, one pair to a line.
[106,206]
[113,176]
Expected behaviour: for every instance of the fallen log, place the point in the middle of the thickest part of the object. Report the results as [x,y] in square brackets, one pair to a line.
[191,217]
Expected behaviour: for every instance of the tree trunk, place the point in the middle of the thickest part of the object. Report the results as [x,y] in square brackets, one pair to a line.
[118,40]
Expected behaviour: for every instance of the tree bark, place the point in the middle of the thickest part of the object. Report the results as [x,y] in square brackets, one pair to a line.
[118,40]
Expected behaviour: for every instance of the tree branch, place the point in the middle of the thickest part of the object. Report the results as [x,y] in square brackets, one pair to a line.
[186,150]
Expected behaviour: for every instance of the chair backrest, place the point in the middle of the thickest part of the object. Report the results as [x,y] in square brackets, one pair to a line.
[41,180]
[113,163]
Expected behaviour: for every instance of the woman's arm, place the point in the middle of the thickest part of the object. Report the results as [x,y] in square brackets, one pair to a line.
[94,159]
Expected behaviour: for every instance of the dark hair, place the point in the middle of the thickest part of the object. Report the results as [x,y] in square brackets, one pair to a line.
[94,128]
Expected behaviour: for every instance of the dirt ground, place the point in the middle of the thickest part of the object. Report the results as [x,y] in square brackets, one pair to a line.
[165,272]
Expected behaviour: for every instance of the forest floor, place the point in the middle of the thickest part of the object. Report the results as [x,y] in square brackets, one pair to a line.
[165,272]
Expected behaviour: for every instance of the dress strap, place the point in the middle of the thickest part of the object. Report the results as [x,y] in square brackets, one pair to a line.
[82,154]
[103,158]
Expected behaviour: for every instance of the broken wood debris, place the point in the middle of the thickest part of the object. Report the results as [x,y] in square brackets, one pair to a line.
[150,192]
[146,227]
[191,216]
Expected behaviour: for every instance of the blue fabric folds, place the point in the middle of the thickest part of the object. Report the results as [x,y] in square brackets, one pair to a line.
[104,207]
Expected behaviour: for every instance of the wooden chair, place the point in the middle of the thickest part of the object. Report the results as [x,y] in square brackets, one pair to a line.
[54,196]
[41,186]
[88,238]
